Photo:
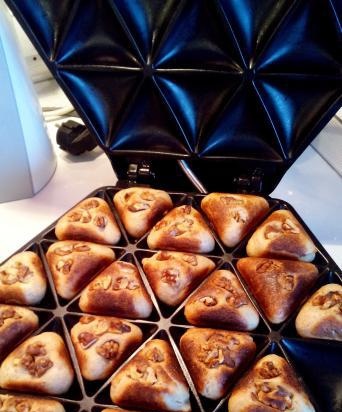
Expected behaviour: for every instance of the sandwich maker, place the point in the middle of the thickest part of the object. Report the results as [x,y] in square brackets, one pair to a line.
[195,96]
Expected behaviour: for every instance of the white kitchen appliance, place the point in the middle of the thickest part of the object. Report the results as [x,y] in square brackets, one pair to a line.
[27,160]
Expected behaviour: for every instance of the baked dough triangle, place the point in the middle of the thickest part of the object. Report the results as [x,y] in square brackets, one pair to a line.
[321,315]
[41,364]
[140,208]
[182,229]
[117,291]
[173,275]
[22,279]
[90,220]
[221,301]
[278,285]
[270,386]
[102,343]
[152,380]
[15,323]
[281,236]
[18,403]
[233,215]
[73,264]
[214,357]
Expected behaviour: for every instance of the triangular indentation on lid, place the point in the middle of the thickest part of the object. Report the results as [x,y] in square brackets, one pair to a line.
[243,130]
[195,40]
[252,23]
[296,106]
[196,98]
[147,22]
[96,37]
[149,125]
[278,285]
[45,21]
[300,45]
[98,97]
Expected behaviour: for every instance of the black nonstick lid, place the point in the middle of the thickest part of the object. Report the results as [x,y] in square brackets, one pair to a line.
[237,89]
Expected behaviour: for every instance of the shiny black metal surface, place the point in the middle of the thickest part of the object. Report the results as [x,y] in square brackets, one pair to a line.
[229,85]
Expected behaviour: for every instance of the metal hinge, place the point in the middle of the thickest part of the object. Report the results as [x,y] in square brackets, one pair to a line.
[140,172]
[250,183]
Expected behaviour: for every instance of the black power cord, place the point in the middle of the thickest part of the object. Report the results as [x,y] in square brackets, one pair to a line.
[74,138]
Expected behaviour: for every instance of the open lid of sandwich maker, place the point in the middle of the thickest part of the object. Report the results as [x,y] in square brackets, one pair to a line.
[230,90]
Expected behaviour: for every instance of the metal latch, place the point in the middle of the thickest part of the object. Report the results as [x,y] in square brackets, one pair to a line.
[140,172]
[250,183]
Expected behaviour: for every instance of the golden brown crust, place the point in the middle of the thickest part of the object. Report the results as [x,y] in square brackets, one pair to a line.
[22,279]
[278,285]
[152,380]
[140,208]
[214,357]
[281,236]
[41,364]
[15,323]
[117,291]
[321,315]
[17,403]
[182,229]
[74,263]
[90,220]
[221,300]
[233,215]
[102,343]
[173,275]
[270,386]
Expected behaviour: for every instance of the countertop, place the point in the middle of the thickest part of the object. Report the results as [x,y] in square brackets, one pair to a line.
[312,186]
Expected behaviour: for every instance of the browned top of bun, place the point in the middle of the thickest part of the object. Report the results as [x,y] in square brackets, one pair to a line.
[182,229]
[152,380]
[90,220]
[281,236]
[221,300]
[233,215]
[140,208]
[278,285]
